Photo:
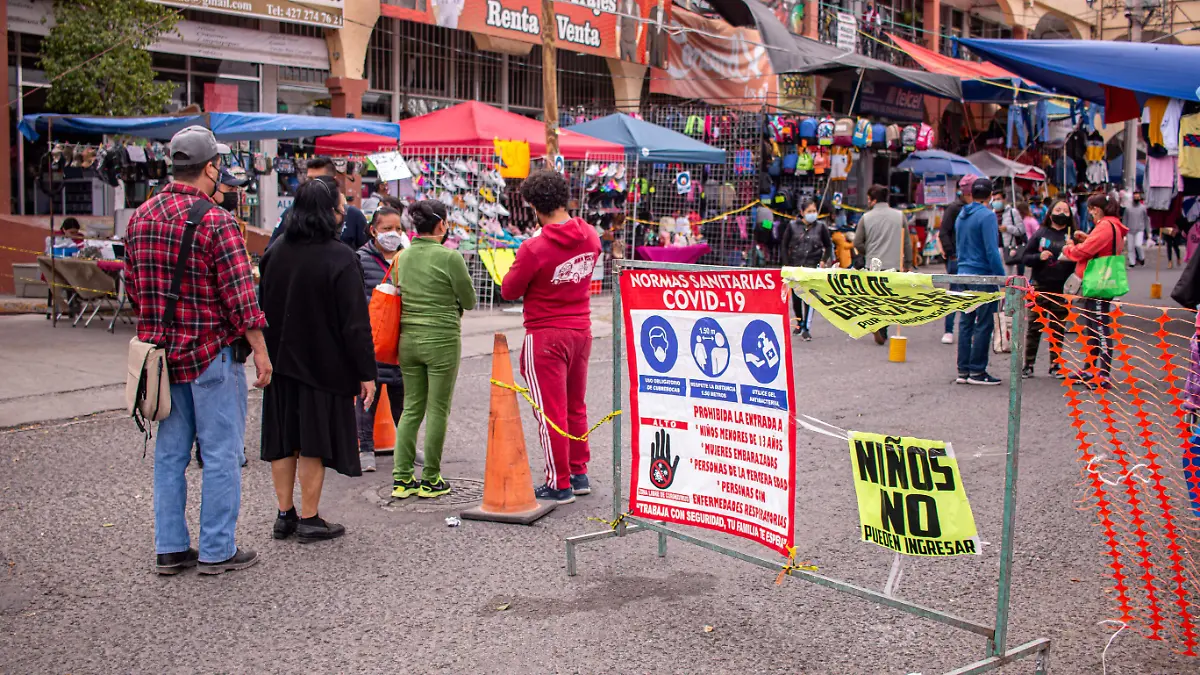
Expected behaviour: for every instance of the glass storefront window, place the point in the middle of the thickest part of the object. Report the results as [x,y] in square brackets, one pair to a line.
[224,67]
[377,105]
[218,94]
[303,101]
[179,97]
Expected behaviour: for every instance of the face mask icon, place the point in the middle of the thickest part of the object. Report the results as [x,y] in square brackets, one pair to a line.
[658,343]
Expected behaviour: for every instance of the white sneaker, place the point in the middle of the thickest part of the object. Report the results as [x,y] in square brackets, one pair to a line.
[366,461]
[948,339]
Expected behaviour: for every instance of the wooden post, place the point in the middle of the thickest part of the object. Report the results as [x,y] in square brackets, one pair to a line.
[549,79]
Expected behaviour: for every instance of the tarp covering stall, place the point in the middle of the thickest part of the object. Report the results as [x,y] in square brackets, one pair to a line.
[1119,75]
[995,166]
[981,82]
[225,126]
[477,125]
[648,142]
[354,143]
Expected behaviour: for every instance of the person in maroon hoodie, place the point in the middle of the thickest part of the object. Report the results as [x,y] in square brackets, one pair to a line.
[553,272]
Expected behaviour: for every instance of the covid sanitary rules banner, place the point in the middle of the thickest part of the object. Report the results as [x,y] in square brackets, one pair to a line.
[712,401]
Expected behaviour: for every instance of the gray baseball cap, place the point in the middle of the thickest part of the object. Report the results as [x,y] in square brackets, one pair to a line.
[193,145]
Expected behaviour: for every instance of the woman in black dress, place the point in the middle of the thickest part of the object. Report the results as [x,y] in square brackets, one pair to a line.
[319,338]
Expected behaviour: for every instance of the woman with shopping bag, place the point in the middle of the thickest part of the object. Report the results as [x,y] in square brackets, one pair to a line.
[376,257]
[1100,263]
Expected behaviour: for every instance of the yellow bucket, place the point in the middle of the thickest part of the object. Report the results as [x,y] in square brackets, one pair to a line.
[1156,291]
[898,349]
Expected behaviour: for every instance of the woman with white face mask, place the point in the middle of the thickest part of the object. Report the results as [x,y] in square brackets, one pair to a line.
[388,239]
[806,243]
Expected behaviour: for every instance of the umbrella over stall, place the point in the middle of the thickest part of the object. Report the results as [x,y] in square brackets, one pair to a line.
[939,161]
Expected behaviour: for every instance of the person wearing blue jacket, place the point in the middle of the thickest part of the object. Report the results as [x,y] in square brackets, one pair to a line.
[977,239]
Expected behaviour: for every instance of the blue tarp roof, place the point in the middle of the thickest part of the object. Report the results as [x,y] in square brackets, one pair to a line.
[1080,67]
[225,126]
[650,142]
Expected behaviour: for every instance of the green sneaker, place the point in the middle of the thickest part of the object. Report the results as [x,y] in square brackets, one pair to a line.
[435,488]
[403,489]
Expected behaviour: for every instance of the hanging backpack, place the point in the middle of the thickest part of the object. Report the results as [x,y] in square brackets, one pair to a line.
[925,138]
[879,135]
[908,138]
[825,131]
[791,159]
[862,133]
[808,129]
[804,163]
[893,137]
[843,132]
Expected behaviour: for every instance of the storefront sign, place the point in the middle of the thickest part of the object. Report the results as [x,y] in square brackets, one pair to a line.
[936,188]
[715,62]
[911,497]
[324,13]
[891,102]
[584,26]
[712,401]
[243,44]
[847,32]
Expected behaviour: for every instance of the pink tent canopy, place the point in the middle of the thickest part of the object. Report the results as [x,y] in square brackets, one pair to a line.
[476,125]
[354,143]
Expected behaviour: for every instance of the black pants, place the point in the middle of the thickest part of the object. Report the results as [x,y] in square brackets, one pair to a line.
[366,418]
[1056,309]
[803,312]
[1097,326]
[1172,243]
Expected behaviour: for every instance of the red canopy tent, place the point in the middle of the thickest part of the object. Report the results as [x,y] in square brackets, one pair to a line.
[354,143]
[947,65]
[476,125]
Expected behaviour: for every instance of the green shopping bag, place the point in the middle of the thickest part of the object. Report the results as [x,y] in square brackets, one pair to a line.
[1105,278]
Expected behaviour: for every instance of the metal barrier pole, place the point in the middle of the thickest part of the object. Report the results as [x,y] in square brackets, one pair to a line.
[1014,301]
[618,351]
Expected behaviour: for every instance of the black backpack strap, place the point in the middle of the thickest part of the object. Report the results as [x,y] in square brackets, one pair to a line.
[195,214]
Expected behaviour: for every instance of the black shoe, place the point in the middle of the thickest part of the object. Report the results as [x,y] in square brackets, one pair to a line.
[313,529]
[580,485]
[983,379]
[962,378]
[241,559]
[549,494]
[796,330]
[1027,372]
[806,336]
[881,337]
[436,488]
[1056,372]
[285,524]
[174,563]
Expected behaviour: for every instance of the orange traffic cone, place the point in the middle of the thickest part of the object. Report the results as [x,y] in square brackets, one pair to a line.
[507,484]
[385,428]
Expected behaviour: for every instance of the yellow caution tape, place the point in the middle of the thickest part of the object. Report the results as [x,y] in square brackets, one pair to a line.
[709,220]
[791,566]
[524,392]
[614,523]
[110,291]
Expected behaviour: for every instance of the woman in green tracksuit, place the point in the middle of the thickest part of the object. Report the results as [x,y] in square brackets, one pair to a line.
[435,289]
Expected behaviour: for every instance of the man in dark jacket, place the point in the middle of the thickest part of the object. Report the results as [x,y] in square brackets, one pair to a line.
[354,230]
[1050,275]
[946,237]
[806,243]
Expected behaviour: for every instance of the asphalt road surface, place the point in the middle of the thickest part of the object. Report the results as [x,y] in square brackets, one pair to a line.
[402,592]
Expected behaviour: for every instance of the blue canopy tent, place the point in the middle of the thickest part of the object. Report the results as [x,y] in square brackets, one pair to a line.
[1093,70]
[225,126]
[939,161]
[649,142]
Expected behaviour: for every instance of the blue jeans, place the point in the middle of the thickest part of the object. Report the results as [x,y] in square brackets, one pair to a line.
[210,411]
[951,268]
[975,336]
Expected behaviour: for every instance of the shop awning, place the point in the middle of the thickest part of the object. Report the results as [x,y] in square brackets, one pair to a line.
[225,126]
[354,143]
[476,125]
[794,54]
[946,65]
[1120,75]
[995,166]
[650,142]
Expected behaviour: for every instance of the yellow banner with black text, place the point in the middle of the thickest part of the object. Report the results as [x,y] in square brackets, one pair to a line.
[859,302]
[911,497]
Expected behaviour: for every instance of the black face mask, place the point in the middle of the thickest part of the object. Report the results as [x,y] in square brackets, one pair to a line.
[229,201]
[1060,219]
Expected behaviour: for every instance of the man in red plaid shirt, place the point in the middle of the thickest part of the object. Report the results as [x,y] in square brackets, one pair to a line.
[217,308]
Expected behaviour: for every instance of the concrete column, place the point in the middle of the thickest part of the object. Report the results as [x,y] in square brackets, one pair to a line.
[627,81]
[812,12]
[347,96]
[5,150]
[933,24]
[1020,33]
[268,186]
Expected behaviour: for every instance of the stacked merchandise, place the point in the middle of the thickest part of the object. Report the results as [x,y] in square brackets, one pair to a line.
[474,196]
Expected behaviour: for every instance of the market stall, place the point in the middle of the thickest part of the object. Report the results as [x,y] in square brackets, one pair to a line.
[472,157]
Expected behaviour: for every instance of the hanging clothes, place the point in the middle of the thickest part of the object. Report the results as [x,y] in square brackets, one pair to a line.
[1170,126]
[1015,119]
[1152,115]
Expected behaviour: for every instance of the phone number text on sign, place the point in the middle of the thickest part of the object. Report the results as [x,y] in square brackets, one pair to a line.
[712,400]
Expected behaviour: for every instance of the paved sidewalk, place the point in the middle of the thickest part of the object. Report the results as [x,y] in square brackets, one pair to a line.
[49,373]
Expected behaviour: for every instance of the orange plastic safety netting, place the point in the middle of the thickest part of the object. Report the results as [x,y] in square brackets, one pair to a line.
[1125,371]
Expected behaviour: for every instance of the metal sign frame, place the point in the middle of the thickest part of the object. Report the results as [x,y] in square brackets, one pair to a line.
[998,653]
